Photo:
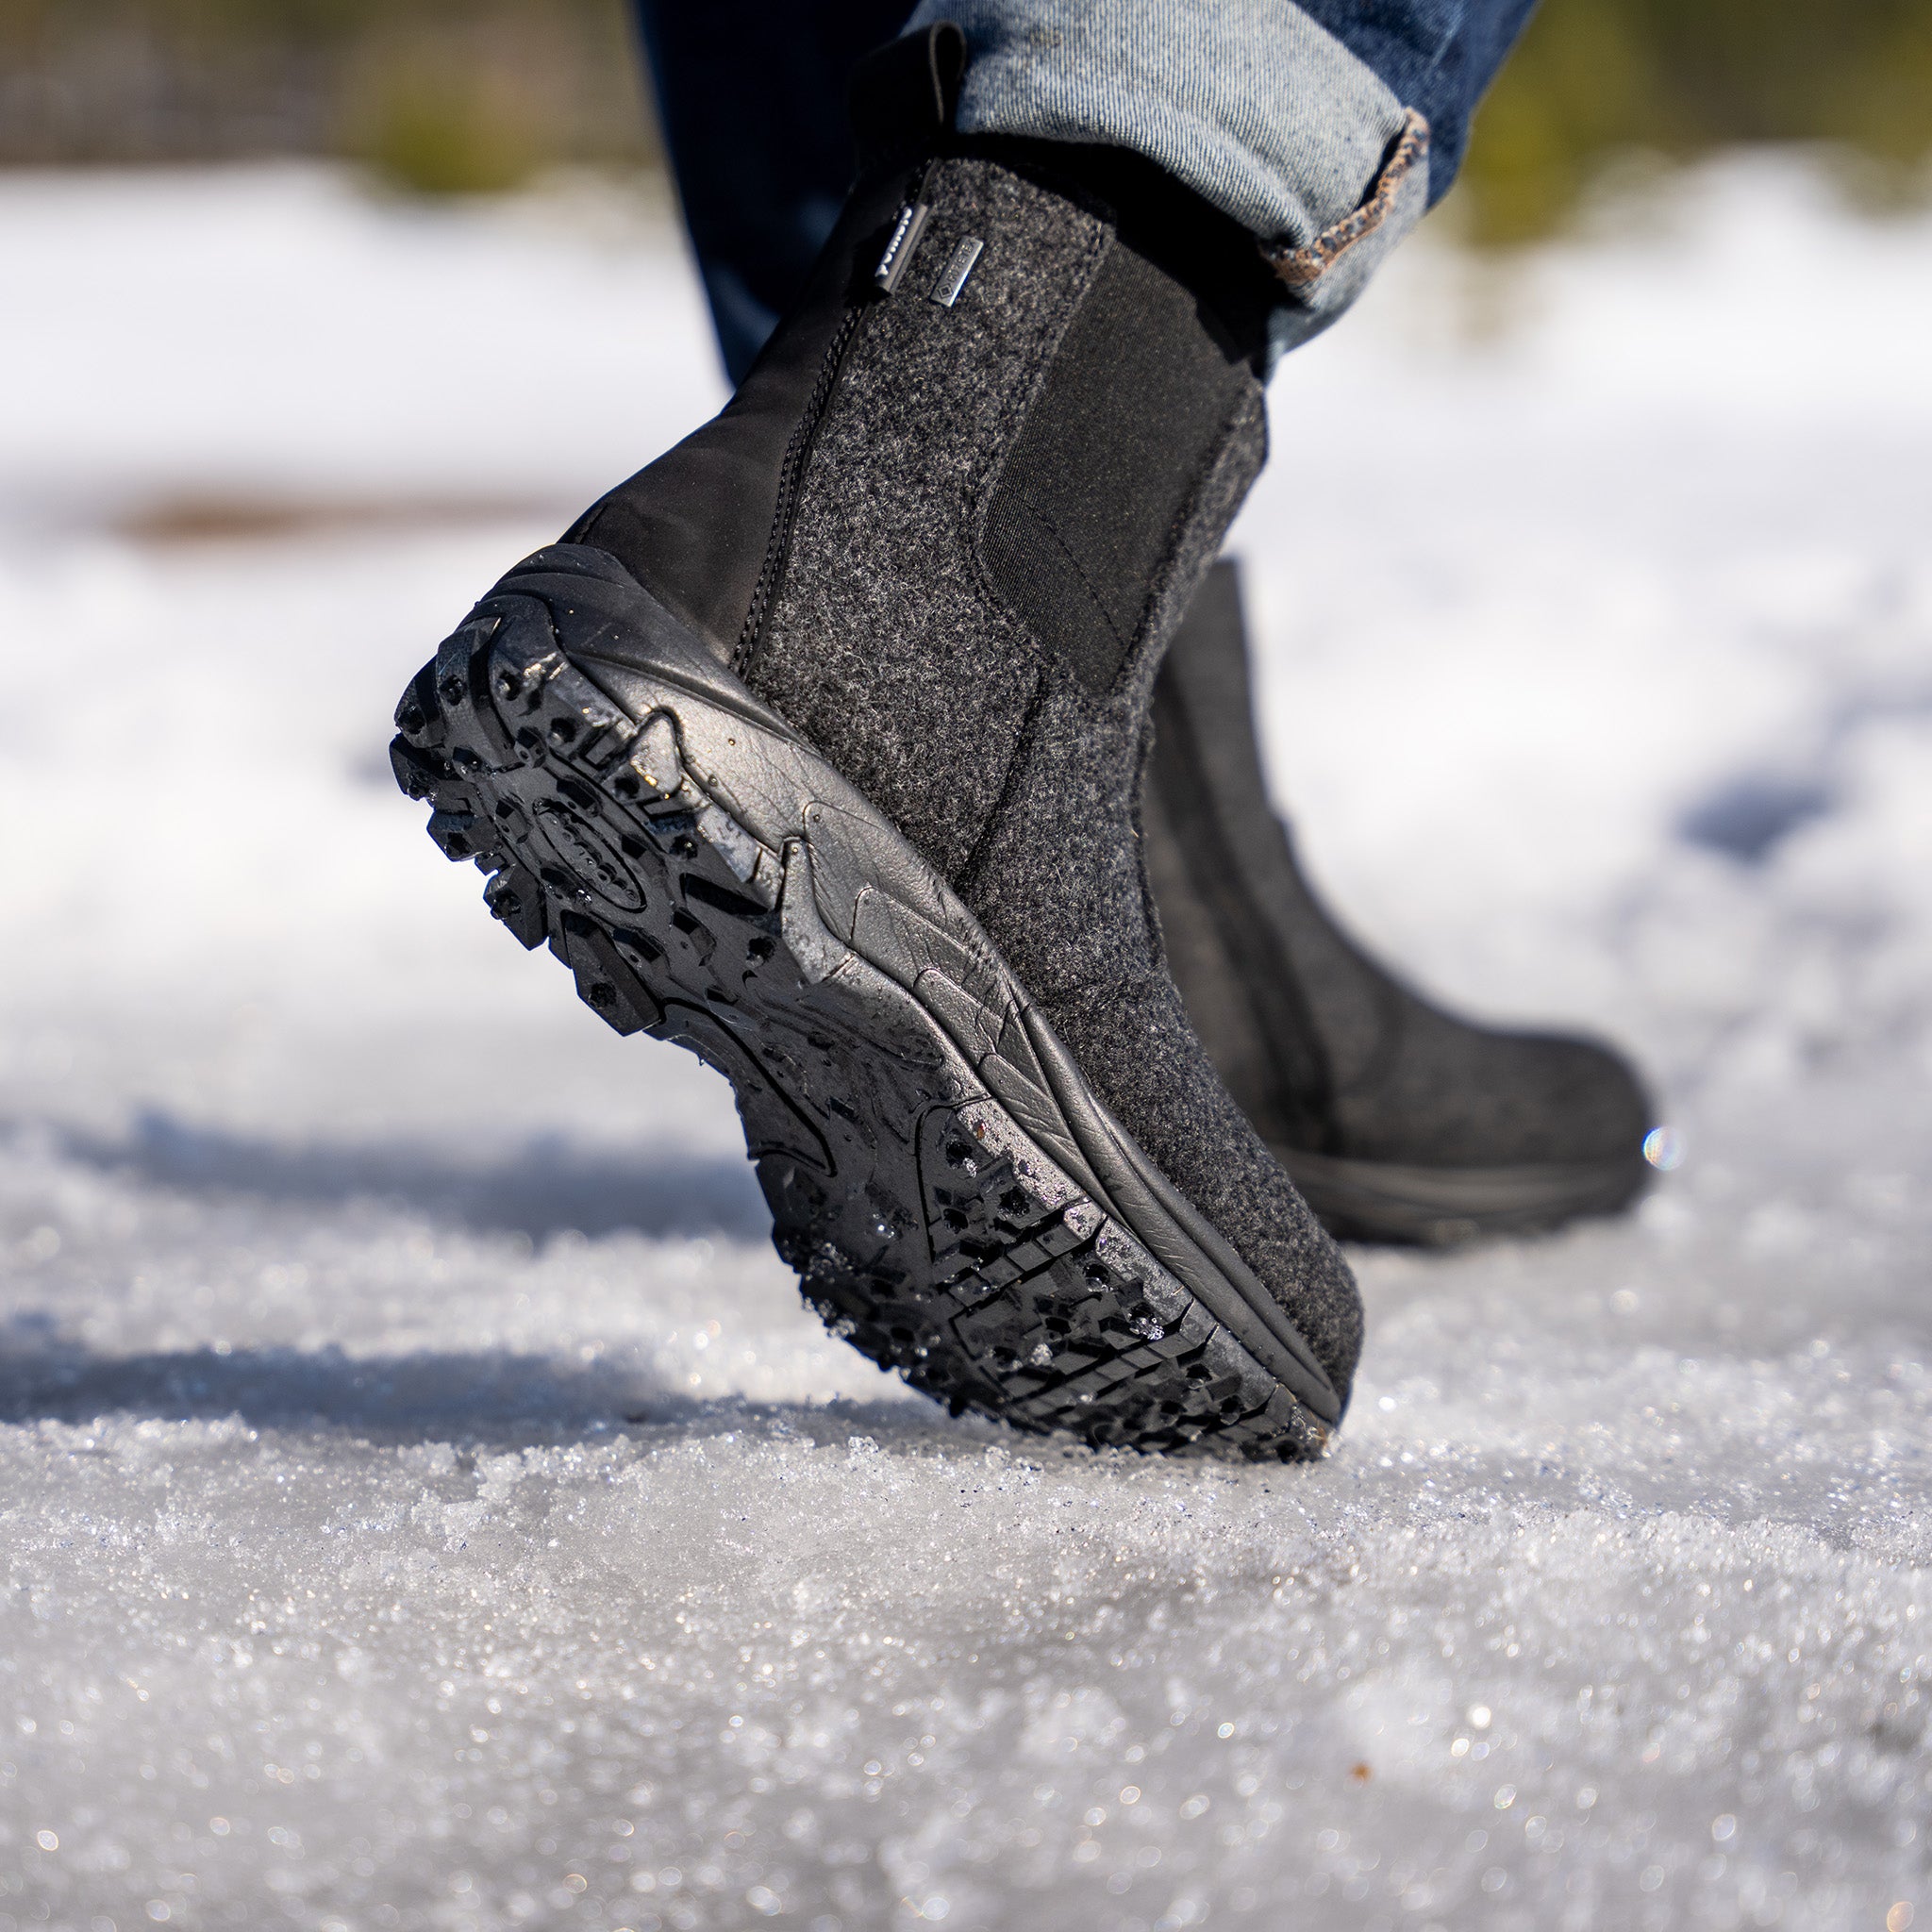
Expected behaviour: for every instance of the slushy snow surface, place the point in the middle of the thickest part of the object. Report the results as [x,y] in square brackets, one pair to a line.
[426,1502]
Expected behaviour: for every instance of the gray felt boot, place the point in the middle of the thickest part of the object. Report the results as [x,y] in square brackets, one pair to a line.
[1399,1122]
[814,747]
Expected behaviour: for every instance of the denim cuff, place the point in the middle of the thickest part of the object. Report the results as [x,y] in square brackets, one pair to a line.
[1323,277]
[1253,104]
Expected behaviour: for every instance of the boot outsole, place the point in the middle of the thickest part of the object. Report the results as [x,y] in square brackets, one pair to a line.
[1443,1206]
[956,1202]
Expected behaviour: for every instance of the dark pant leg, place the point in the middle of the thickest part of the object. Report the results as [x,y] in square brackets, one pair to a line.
[751,98]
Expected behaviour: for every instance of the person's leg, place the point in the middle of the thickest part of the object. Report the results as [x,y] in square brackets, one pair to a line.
[815,747]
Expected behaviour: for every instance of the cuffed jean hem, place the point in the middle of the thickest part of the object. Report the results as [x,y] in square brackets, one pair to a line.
[1322,277]
[1252,103]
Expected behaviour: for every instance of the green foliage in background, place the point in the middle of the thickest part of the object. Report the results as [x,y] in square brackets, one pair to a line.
[451,96]
[1594,78]
[422,134]
[436,97]
[474,112]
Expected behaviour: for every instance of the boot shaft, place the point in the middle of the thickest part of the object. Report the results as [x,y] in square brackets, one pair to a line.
[966,491]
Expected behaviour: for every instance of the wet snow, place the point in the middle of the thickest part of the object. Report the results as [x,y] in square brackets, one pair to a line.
[425,1503]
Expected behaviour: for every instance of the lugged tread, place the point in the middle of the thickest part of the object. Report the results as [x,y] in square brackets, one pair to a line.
[927,1226]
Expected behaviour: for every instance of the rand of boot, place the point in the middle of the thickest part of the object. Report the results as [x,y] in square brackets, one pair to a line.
[815,747]
[1399,1121]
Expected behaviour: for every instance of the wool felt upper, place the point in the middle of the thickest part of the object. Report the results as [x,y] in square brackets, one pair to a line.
[979,728]
[1325,1049]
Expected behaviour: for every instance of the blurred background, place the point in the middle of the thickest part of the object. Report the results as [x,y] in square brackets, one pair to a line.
[439,97]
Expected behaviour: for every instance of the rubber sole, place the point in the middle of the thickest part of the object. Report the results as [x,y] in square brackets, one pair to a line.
[1440,1206]
[956,1202]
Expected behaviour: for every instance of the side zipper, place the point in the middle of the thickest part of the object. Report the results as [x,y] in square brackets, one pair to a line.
[791,476]
[899,252]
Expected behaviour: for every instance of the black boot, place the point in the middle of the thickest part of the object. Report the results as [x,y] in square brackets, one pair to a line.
[815,745]
[1397,1121]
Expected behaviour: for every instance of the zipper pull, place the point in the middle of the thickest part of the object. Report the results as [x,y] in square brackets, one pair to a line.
[907,231]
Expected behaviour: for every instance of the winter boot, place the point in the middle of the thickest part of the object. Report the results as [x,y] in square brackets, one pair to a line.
[1398,1122]
[814,747]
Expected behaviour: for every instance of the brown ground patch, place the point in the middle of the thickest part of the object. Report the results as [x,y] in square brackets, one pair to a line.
[174,520]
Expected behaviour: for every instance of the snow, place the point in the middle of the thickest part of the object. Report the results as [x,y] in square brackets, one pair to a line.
[425,1503]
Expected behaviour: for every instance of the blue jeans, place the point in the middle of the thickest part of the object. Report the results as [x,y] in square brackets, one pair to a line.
[1325,127]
